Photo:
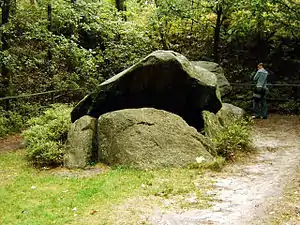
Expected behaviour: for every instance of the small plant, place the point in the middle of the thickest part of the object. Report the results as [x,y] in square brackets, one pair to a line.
[46,136]
[215,165]
[289,107]
[233,137]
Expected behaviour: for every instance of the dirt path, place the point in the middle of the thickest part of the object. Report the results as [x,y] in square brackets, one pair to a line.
[12,142]
[244,193]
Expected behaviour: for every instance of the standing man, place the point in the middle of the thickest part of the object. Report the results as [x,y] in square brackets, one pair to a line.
[260,94]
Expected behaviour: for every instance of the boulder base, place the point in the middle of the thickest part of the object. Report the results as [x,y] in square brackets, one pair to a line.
[149,138]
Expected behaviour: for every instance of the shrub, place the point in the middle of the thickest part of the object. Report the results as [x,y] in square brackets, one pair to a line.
[3,125]
[10,122]
[234,136]
[14,120]
[290,106]
[47,134]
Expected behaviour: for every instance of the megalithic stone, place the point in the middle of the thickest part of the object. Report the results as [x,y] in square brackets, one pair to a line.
[163,80]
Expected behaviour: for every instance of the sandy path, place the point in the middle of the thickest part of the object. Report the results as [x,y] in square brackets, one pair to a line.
[243,195]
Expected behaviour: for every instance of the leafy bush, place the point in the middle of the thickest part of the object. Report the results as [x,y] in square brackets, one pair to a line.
[46,136]
[290,106]
[3,125]
[233,137]
[10,122]
[14,120]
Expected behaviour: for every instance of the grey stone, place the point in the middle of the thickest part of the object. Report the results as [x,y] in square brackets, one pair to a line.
[230,112]
[163,80]
[213,123]
[149,138]
[215,68]
[81,143]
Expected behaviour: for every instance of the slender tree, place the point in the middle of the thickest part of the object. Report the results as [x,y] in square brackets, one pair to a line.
[120,4]
[4,70]
[49,53]
[217,31]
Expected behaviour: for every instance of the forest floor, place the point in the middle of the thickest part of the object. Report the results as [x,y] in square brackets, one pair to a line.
[263,188]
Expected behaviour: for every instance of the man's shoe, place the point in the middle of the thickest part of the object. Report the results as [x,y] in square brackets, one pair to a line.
[255,117]
[265,117]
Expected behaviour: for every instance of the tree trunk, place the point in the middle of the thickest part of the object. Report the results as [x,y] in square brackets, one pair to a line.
[192,25]
[120,4]
[259,34]
[4,70]
[49,53]
[217,32]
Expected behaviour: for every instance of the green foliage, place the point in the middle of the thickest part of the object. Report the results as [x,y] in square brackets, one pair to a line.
[10,122]
[84,44]
[46,136]
[14,120]
[215,165]
[90,41]
[290,107]
[233,137]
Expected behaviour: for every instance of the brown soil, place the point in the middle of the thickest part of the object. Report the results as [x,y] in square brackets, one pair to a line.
[11,143]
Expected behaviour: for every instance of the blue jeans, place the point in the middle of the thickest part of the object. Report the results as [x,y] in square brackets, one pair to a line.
[260,107]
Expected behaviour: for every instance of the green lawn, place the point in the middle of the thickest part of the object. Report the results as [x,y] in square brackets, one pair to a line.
[60,196]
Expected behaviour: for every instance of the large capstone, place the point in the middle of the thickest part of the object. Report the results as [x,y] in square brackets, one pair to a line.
[223,84]
[163,80]
[81,143]
[149,138]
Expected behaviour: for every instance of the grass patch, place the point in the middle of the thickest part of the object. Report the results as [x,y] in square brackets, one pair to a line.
[30,196]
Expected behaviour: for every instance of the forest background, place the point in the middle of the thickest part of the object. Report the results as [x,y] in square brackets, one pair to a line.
[67,47]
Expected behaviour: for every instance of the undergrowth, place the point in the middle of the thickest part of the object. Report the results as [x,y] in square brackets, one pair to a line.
[230,134]
[15,118]
[233,137]
[47,134]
